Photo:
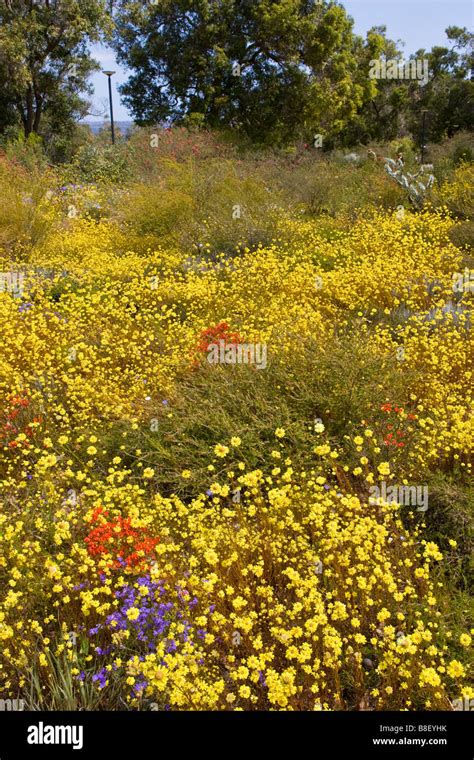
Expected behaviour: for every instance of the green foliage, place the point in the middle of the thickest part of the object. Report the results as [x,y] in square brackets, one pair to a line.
[95,163]
[25,214]
[258,67]
[451,516]
[44,61]
[206,207]
[394,106]
[26,151]
[333,186]
[462,235]
[448,94]
[218,402]
[66,691]
[269,71]
[450,153]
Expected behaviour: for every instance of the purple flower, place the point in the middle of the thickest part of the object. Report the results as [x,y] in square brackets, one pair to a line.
[156,613]
[140,686]
[100,677]
[101,651]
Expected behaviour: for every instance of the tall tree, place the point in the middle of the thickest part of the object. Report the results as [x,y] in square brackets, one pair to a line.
[44,59]
[449,95]
[393,107]
[268,67]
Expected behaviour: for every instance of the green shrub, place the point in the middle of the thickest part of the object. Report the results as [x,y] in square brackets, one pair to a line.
[215,402]
[206,208]
[26,151]
[450,516]
[25,214]
[98,164]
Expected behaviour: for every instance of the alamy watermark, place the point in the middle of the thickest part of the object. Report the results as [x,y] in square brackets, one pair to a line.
[392,68]
[46,734]
[463,282]
[12,282]
[12,705]
[463,703]
[414,496]
[237,353]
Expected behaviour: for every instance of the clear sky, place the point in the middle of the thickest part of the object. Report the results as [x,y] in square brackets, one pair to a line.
[419,23]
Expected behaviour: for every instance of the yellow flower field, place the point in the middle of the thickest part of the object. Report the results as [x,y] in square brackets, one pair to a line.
[187,535]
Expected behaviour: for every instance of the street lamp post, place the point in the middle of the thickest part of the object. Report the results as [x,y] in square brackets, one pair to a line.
[109,75]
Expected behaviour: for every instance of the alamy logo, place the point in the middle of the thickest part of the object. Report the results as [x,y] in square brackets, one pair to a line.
[463,282]
[42,734]
[392,68]
[12,705]
[415,496]
[463,703]
[12,282]
[237,353]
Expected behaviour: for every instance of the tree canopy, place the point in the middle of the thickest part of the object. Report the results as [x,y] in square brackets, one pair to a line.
[268,68]
[274,70]
[44,59]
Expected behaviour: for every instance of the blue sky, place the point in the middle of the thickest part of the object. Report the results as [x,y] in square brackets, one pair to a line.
[419,23]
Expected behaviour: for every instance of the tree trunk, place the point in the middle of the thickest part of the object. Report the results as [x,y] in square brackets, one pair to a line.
[29,117]
[38,111]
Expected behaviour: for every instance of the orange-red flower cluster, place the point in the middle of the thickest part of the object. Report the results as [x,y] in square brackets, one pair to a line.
[221,331]
[130,547]
[395,434]
[14,422]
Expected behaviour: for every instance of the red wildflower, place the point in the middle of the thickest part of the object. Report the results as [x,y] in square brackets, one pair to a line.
[117,537]
[211,335]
